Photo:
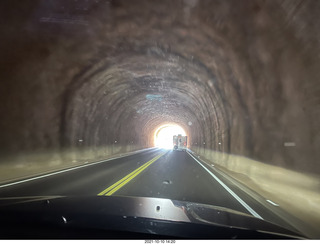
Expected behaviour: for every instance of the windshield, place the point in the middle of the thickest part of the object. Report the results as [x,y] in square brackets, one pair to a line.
[210,102]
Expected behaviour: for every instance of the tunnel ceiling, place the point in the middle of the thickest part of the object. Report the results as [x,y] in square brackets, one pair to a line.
[145,77]
[239,76]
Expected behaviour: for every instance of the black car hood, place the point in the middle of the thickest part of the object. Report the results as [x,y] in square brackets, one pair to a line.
[162,217]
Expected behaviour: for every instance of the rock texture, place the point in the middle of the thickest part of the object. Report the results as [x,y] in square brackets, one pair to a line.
[241,77]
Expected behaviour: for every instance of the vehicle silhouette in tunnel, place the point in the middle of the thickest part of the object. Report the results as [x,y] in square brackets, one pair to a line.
[180,142]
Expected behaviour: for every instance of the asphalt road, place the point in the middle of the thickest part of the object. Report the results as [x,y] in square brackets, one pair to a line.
[152,173]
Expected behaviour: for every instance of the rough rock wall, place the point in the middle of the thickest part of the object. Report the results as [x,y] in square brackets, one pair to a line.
[241,77]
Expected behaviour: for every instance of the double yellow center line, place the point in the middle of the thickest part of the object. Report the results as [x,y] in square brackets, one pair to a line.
[116,186]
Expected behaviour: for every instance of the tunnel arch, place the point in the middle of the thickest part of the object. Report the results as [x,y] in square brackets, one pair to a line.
[83,81]
[226,59]
[154,95]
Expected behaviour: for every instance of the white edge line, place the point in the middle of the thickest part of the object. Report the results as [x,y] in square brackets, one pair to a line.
[230,191]
[66,170]
[274,204]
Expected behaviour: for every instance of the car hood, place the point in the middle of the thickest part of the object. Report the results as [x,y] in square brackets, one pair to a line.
[122,213]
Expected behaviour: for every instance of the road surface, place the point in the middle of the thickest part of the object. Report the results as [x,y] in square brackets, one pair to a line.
[152,173]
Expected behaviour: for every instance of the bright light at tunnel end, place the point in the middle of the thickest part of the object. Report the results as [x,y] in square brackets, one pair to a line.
[163,136]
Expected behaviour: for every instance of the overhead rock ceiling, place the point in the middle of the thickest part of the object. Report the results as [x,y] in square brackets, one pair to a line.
[240,77]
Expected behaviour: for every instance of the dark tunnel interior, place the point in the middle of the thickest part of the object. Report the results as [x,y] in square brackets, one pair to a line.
[82,80]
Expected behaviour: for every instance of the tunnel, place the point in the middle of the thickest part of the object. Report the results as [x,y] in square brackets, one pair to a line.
[83,81]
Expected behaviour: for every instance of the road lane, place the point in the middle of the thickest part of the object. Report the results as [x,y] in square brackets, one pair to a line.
[175,175]
[125,180]
[82,181]
[178,176]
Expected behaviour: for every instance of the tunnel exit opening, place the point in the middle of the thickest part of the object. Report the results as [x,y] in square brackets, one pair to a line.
[163,136]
